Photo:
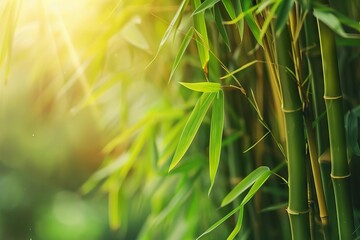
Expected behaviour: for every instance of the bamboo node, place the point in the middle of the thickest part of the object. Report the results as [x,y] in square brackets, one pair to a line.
[291,110]
[332,98]
[340,177]
[292,212]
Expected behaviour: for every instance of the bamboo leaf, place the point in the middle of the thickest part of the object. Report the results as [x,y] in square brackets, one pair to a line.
[245,184]
[269,18]
[351,126]
[257,185]
[282,15]
[216,131]
[196,161]
[252,146]
[342,18]
[176,19]
[240,69]
[202,37]
[238,225]
[231,12]
[219,222]
[250,20]
[330,20]
[182,49]
[192,126]
[203,86]
[229,8]
[274,207]
[205,5]
[220,26]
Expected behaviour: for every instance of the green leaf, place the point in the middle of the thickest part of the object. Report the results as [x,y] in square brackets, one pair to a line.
[269,18]
[182,49]
[194,162]
[238,225]
[176,19]
[259,182]
[216,132]
[192,126]
[205,5]
[202,37]
[282,15]
[257,185]
[351,125]
[245,184]
[250,20]
[240,69]
[229,8]
[203,86]
[220,26]
[274,207]
[252,146]
[232,13]
[342,18]
[330,20]
[219,222]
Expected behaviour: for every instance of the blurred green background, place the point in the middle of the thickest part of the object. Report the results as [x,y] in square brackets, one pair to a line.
[73,76]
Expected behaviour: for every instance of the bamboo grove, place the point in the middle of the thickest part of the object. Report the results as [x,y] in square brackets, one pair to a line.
[270,126]
[251,130]
[274,66]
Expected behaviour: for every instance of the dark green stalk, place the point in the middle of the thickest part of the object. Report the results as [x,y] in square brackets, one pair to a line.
[333,99]
[298,209]
[318,107]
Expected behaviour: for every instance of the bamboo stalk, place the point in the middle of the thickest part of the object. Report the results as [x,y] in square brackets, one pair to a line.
[298,209]
[333,100]
[318,106]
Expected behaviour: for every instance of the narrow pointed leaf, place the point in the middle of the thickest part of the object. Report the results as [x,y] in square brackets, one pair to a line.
[251,22]
[205,5]
[282,15]
[232,13]
[173,22]
[330,20]
[342,18]
[182,49]
[257,185]
[203,86]
[202,37]
[229,8]
[264,175]
[240,69]
[216,131]
[220,26]
[269,19]
[219,222]
[245,184]
[192,126]
[238,225]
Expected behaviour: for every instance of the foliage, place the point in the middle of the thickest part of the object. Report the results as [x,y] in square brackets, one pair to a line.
[239,115]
